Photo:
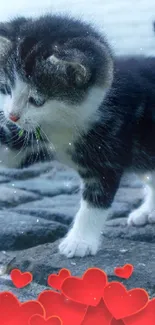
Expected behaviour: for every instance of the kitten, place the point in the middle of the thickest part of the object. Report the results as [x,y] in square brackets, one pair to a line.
[96,113]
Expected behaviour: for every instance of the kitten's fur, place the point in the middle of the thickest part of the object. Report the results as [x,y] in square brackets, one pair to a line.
[97,113]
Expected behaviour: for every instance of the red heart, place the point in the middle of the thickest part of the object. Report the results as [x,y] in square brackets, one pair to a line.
[144,317]
[122,303]
[16,313]
[28,309]
[39,320]
[124,271]
[88,290]
[98,315]
[116,322]
[56,280]
[8,302]
[20,279]
[55,303]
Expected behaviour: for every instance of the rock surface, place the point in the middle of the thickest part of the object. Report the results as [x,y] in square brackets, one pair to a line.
[37,206]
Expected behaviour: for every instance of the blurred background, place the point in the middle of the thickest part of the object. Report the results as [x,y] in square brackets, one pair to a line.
[127,23]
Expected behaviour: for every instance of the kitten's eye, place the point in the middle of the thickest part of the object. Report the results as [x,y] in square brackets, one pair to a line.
[36,102]
[5,89]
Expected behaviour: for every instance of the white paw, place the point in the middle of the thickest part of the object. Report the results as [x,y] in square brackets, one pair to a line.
[138,218]
[151,217]
[145,214]
[77,245]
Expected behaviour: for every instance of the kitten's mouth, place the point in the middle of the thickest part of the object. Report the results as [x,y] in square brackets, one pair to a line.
[26,126]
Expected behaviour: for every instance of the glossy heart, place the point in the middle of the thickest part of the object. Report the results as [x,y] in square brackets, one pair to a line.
[39,320]
[124,271]
[28,309]
[12,312]
[8,302]
[86,290]
[56,280]
[19,279]
[144,317]
[122,303]
[97,315]
[55,303]
[116,322]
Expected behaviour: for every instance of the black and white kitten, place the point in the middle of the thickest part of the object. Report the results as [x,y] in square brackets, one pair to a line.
[98,114]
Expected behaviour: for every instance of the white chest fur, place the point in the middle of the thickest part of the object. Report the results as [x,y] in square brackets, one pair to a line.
[67,122]
[62,142]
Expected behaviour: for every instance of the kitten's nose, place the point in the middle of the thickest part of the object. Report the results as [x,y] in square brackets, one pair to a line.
[14,118]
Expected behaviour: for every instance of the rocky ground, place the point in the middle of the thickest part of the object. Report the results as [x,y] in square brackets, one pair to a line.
[36,208]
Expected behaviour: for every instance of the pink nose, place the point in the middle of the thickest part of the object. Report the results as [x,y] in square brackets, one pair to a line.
[13,118]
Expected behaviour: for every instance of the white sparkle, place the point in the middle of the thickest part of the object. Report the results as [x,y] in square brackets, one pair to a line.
[3,270]
[67,184]
[15,192]
[123,250]
[37,220]
[141,264]
[70,144]
[13,184]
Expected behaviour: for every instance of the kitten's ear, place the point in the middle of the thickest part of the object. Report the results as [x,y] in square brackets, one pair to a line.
[11,29]
[75,72]
[8,34]
[5,46]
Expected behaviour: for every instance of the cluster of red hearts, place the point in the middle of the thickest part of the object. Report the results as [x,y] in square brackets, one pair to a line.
[79,301]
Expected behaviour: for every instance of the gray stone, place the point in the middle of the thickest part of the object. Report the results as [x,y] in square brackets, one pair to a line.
[64,174]
[120,210]
[11,196]
[131,180]
[4,179]
[114,252]
[32,171]
[47,187]
[23,231]
[118,229]
[60,208]
[129,195]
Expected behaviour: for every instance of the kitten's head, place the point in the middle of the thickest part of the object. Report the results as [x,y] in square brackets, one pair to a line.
[53,71]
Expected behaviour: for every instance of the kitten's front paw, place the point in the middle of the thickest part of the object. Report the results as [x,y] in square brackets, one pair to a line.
[151,217]
[138,218]
[143,215]
[77,245]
